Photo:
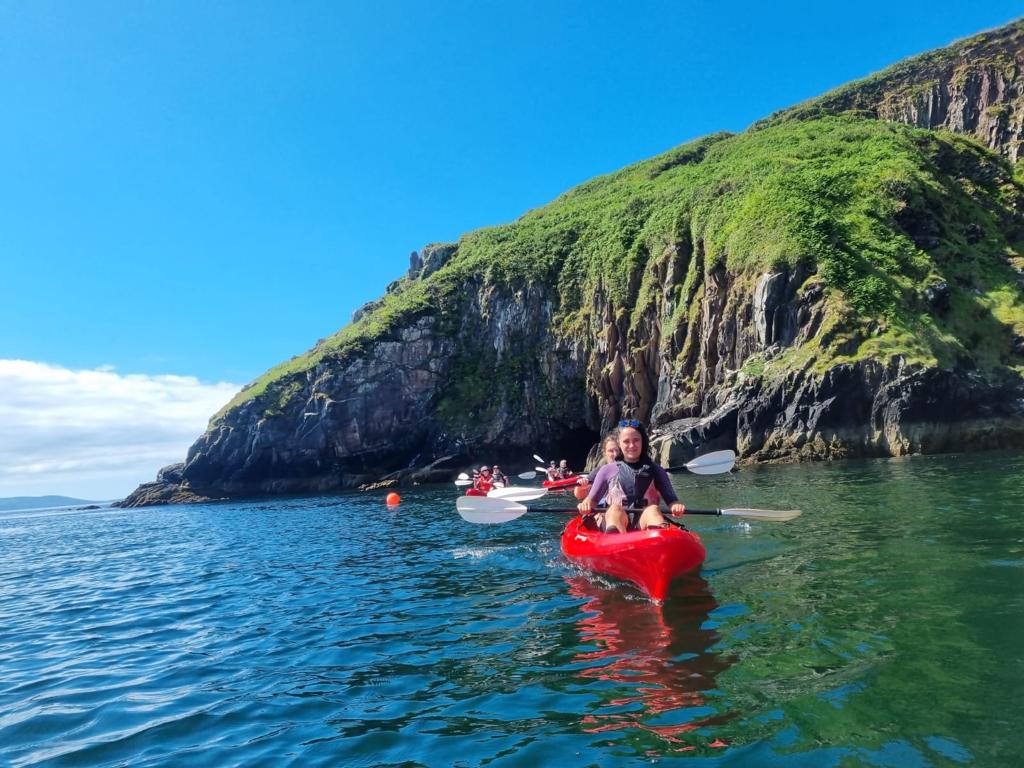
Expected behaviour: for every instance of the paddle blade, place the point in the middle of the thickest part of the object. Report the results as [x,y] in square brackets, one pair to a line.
[517,494]
[462,476]
[538,458]
[768,515]
[460,483]
[488,511]
[542,471]
[527,475]
[712,463]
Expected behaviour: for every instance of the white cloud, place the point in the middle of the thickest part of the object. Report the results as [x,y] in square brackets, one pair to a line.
[95,433]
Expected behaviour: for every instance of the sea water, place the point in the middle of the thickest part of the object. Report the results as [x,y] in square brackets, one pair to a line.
[884,627]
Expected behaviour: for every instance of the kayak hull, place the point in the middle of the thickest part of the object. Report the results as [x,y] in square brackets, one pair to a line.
[475,492]
[568,482]
[650,559]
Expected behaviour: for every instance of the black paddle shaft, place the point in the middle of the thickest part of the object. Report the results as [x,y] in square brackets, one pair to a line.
[573,510]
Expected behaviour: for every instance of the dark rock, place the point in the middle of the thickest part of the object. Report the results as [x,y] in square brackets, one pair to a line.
[171,474]
[378,485]
[1018,344]
[366,309]
[937,296]
[435,256]
[150,494]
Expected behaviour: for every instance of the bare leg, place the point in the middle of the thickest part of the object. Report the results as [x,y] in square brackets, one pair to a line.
[651,517]
[615,519]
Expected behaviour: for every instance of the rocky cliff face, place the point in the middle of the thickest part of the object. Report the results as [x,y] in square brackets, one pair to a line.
[816,288]
[974,87]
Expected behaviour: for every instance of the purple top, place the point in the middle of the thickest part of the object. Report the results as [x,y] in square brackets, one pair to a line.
[605,474]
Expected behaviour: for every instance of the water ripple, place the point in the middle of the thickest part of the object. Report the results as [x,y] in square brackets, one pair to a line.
[881,628]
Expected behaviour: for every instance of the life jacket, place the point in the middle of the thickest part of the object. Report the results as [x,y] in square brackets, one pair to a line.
[633,482]
[483,484]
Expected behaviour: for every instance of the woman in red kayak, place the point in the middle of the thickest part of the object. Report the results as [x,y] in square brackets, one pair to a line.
[625,483]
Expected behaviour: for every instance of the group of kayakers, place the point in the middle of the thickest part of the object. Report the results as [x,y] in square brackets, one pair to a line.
[560,472]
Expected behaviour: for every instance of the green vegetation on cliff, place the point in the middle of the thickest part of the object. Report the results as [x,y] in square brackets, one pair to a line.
[996,49]
[880,211]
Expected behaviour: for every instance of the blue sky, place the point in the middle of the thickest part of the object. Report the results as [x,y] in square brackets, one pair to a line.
[203,189]
[206,189]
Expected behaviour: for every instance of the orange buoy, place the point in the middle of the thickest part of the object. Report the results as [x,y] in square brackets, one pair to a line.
[393,499]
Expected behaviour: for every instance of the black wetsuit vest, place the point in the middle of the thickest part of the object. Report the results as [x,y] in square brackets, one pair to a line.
[634,479]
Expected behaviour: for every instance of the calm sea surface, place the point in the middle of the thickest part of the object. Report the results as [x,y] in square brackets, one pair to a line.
[885,627]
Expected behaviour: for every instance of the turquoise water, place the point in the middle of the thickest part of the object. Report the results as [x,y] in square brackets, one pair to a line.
[885,627]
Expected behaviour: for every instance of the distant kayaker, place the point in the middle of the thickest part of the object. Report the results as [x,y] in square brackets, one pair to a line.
[498,476]
[552,471]
[624,485]
[484,482]
[563,470]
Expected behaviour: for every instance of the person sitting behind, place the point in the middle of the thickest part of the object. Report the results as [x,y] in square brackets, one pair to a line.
[563,470]
[611,454]
[498,476]
[624,484]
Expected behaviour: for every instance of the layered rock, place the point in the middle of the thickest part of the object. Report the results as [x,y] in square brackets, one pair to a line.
[973,87]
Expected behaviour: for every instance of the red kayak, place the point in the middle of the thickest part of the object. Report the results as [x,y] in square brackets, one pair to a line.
[567,482]
[650,559]
[475,492]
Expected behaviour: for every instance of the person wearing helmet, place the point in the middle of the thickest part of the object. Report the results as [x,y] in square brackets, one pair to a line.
[499,476]
[484,482]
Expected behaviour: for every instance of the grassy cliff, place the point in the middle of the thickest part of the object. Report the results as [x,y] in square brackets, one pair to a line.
[883,214]
[996,50]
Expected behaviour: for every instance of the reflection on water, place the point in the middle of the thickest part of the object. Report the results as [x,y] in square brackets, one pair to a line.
[656,661]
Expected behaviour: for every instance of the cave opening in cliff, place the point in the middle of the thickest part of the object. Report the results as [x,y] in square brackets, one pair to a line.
[575,446]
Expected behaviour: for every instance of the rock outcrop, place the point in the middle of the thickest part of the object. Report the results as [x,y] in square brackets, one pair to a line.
[973,87]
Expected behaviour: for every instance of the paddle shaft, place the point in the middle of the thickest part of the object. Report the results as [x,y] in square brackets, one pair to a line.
[573,510]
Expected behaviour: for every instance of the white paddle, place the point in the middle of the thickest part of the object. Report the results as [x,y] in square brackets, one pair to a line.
[516,494]
[708,464]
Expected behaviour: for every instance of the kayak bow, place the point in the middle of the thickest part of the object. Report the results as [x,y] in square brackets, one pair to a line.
[650,559]
[567,482]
